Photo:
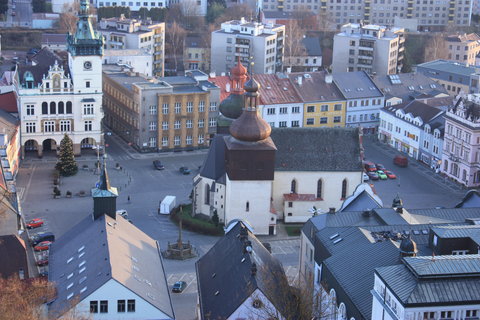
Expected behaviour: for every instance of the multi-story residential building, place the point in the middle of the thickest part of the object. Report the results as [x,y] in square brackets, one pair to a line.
[160,114]
[136,60]
[122,33]
[134,5]
[308,59]
[403,127]
[461,147]
[59,95]
[279,104]
[191,7]
[404,87]
[454,76]
[243,39]
[196,53]
[426,15]
[342,261]
[463,47]
[323,103]
[371,48]
[364,99]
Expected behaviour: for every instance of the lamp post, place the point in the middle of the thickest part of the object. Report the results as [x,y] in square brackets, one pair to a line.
[97,165]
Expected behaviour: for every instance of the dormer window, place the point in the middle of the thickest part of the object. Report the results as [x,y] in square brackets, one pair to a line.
[28,78]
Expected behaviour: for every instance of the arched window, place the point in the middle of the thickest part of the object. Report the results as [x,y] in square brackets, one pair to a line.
[342,312]
[69,107]
[247,206]
[293,186]
[333,303]
[319,188]
[61,107]
[207,194]
[344,188]
[53,108]
[44,108]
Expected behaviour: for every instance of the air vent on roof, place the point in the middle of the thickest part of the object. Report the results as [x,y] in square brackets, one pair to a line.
[70,275]
[151,296]
[333,236]
[70,260]
[148,282]
[213,275]
[285,89]
[70,296]
[307,76]
[82,269]
[432,85]
[82,280]
[81,255]
[411,88]
[337,240]
[243,260]
[135,268]
[81,248]
[268,87]
[109,224]
[134,259]
[70,285]
[421,87]
[83,290]
[82,263]
[217,293]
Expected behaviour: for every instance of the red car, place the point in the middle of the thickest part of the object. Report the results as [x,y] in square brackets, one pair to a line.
[390,174]
[35,223]
[43,262]
[42,246]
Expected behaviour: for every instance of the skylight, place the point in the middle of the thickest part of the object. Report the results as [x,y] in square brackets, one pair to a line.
[70,285]
[70,260]
[70,275]
[70,296]
[82,263]
[83,290]
[81,248]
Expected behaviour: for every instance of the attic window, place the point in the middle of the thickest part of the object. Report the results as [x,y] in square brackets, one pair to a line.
[82,263]
[70,285]
[82,280]
[82,269]
[70,275]
[213,275]
[70,296]
[243,260]
[81,248]
[81,255]
[257,303]
[70,260]
[83,290]
[217,293]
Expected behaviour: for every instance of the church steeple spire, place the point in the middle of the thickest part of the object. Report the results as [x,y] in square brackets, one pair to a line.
[86,41]
[104,196]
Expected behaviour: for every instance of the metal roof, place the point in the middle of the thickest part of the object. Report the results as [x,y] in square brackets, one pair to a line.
[356,85]
[444,266]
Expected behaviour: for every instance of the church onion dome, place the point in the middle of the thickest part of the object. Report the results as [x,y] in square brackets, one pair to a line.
[239,71]
[408,246]
[232,106]
[249,127]
[252,87]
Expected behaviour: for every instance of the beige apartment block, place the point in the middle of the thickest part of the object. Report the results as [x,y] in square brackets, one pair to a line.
[463,47]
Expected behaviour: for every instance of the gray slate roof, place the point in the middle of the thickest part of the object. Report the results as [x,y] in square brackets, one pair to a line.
[317,149]
[43,59]
[221,269]
[412,290]
[214,165]
[449,66]
[312,46]
[356,85]
[107,249]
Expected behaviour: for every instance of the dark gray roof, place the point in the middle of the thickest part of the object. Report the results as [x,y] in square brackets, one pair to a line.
[417,109]
[407,84]
[469,231]
[94,252]
[43,60]
[471,200]
[356,85]
[226,269]
[452,214]
[214,165]
[363,198]
[458,282]
[312,46]
[448,66]
[317,149]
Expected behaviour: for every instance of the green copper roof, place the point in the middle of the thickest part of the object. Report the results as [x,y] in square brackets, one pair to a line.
[85,41]
[232,106]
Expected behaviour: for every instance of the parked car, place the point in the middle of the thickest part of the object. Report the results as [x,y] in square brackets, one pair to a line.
[42,262]
[380,167]
[370,167]
[179,286]
[35,223]
[42,246]
[157,164]
[400,161]
[382,175]
[365,177]
[184,170]
[373,175]
[42,236]
[390,174]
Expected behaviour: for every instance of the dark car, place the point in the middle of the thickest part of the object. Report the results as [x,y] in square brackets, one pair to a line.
[184,170]
[42,236]
[157,164]
[373,175]
[179,286]
[380,167]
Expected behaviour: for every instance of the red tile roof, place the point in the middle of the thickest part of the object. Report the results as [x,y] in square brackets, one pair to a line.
[276,90]
[8,102]
[300,197]
[221,82]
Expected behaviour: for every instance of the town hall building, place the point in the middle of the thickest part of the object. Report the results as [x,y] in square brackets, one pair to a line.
[260,175]
[61,92]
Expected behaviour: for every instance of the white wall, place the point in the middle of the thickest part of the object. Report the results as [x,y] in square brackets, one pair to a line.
[113,291]
[140,63]
[275,119]
[247,311]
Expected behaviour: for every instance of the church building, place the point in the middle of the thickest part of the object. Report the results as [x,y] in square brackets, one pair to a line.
[61,92]
[260,176]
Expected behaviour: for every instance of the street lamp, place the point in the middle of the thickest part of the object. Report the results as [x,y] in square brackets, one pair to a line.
[97,166]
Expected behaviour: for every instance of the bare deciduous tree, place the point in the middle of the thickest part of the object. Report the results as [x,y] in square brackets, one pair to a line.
[174,40]
[294,47]
[236,12]
[436,47]
[68,17]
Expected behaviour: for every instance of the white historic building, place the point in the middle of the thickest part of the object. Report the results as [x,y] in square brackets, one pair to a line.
[61,93]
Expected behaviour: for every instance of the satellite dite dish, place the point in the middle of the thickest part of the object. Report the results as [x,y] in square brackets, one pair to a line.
[313,210]
[234,222]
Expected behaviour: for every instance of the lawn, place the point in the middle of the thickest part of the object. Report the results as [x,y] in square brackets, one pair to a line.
[195,224]
[293,230]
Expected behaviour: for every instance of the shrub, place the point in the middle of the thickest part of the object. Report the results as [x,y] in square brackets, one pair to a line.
[194,224]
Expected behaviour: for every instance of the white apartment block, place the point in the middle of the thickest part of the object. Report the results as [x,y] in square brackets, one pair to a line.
[189,7]
[122,33]
[371,48]
[57,97]
[433,15]
[243,39]
[135,60]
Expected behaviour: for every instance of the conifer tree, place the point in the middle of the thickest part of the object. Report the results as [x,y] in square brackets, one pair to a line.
[67,166]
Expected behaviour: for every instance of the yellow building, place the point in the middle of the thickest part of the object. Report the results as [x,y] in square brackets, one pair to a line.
[323,104]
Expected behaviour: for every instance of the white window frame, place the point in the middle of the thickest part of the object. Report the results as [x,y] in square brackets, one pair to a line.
[177,124]
[49,126]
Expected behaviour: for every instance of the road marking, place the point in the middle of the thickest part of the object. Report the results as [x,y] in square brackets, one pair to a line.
[27,188]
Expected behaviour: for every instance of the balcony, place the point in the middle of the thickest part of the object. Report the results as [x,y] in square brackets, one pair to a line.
[368,47]
[88,116]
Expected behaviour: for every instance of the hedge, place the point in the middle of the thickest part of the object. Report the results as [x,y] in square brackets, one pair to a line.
[194,224]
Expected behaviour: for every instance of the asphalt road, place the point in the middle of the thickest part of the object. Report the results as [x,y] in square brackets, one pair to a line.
[23,13]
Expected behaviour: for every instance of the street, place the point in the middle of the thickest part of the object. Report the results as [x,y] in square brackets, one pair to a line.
[146,187]
[19,13]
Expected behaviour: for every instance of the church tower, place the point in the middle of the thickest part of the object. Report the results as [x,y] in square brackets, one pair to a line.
[249,164]
[104,196]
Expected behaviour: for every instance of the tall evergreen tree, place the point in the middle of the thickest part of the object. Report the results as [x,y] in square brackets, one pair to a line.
[67,166]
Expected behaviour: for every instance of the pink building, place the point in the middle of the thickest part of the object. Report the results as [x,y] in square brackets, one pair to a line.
[461,146]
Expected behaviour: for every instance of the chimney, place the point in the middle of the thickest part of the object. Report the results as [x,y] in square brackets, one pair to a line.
[328,78]
[331,210]
[254,269]
[399,210]
[227,87]
[299,80]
